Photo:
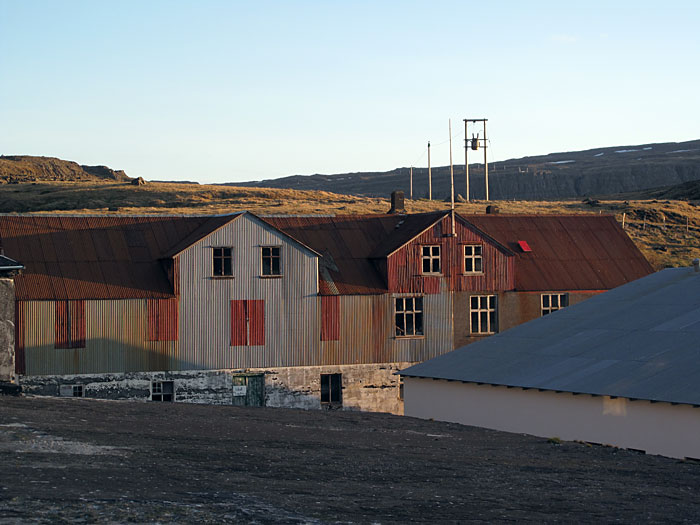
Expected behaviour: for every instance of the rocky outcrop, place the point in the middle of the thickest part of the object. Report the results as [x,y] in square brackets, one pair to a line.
[25,168]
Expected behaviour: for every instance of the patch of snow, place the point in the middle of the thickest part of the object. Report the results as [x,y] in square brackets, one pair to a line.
[599,154]
[647,148]
[561,162]
[625,150]
[682,150]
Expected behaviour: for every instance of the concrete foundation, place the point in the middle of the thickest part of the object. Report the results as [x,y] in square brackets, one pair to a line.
[371,388]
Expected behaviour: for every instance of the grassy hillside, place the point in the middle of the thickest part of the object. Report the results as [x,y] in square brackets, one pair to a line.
[667,231]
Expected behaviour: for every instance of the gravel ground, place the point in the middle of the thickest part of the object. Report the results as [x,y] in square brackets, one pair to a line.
[101,461]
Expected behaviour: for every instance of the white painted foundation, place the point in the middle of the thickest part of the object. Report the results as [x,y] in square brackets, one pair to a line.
[656,428]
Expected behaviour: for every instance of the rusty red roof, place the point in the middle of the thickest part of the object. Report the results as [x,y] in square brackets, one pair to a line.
[569,252]
[116,257]
[93,257]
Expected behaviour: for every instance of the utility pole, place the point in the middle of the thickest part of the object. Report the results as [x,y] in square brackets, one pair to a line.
[452,183]
[430,176]
[466,158]
[410,184]
[486,165]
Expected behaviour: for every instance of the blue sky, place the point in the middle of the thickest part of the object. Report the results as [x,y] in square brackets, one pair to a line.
[232,91]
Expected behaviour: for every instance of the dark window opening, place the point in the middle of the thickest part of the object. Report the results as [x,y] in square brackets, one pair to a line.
[332,388]
[482,310]
[473,259]
[551,302]
[223,262]
[409,316]
[162,391]
[430,256]
[271,260]
[77,390]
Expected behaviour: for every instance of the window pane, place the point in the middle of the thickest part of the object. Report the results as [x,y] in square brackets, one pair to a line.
[555,301]
[426,265]
[419,323]
[218,270]
[545,301]
[227,266]
[468,267]
[409,325]
[418,303]
[492,321]
[468,251]
[436,265]
[436,251]
[477,265]
[475,302]
[477,250]
[226,252]
[475,322]
[276,266]
[266,268]
[400,327]
[399,305]
[483,321]
[492,301]
[275,250]
[484,302]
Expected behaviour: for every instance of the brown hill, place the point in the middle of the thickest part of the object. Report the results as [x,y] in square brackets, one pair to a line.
[26,168]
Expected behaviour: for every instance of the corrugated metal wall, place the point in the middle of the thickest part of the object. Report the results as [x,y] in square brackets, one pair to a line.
[367,331]
[404,273]
[291,305]
[116,340]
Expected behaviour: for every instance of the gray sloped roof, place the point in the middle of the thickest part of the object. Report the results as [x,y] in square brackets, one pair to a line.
[639,341]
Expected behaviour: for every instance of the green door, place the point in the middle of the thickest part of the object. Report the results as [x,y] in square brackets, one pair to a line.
[248,390]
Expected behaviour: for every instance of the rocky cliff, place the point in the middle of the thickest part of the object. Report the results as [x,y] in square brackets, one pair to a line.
[595,172]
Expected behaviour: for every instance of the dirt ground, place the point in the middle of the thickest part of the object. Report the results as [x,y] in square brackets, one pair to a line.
[107,461]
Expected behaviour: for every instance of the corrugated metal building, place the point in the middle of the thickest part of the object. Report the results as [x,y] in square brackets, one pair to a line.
[301,311]
[620,369]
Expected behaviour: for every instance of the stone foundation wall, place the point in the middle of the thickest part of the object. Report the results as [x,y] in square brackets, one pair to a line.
[7,330]
[371,388]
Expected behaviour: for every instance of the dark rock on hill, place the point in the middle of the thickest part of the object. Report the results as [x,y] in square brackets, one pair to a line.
[25,168]
[596,172]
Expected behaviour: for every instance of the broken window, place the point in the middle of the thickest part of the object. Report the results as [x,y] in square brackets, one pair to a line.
[223,262]
[482,312]
[551,302]
[430,256]
[162,391]
[473,259]
[409,316]
[70,324]
[332,388]
[271,261]
[247,323]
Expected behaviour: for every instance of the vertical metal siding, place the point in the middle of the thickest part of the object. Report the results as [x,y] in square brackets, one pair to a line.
[404,272]
[115,340]
[330,318]
[20,365]
[162,319]
[292,320]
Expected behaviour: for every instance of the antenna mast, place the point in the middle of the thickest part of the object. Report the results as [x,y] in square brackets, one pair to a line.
[430,176]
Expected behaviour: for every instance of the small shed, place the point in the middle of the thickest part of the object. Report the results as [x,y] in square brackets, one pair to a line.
[621,369]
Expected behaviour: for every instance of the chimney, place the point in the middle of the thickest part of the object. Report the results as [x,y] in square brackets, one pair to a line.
[491,209]
[696,265]
[397,202]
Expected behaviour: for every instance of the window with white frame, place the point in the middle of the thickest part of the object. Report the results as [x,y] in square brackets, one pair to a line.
[430,257]
[271,261]
[482,314]
[408,313]
[473,258]
[551,302]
